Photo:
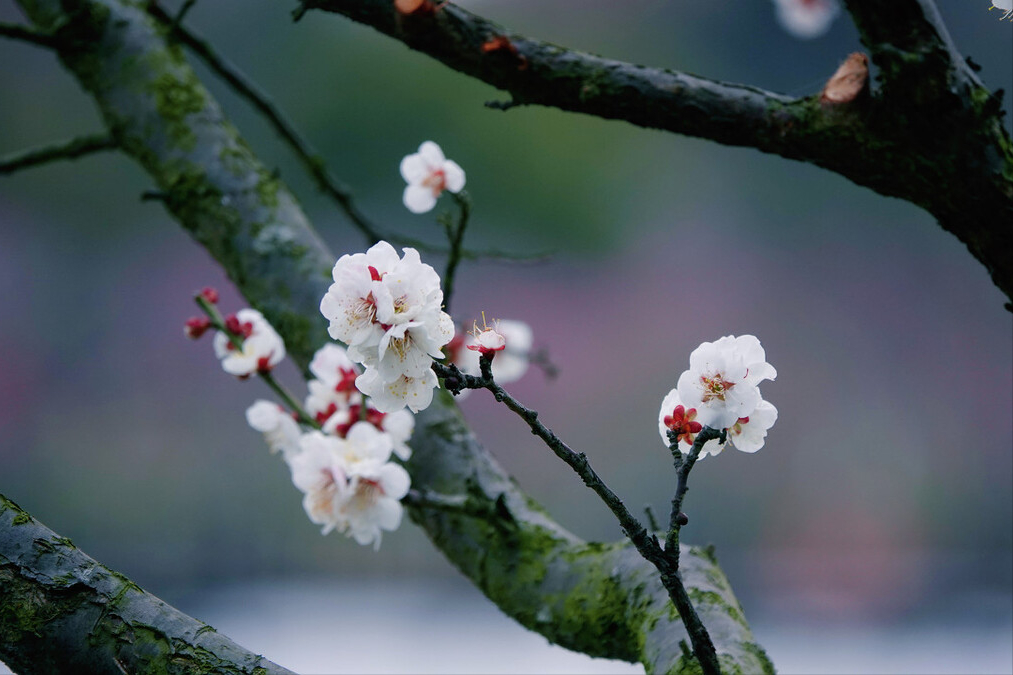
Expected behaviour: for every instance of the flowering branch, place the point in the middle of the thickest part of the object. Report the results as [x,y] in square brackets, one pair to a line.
[683,465]
[220,324]
[667,561]
[524,561]
[950,126]
[72,149]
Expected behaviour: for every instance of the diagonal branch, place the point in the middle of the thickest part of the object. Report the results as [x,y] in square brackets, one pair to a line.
[15,32]
[63,612]
[940,146]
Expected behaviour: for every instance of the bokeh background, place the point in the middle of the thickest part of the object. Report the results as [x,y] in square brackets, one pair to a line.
[872,532]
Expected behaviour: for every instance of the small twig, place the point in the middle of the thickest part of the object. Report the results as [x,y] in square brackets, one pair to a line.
[16,32]
[683,465]
[651,520]
[219,323]
[72,149]
[181,14]
[247,89]
[456,237]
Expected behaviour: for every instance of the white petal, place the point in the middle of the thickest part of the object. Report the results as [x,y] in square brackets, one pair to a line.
[418,199]
[432,153]
[414,169]
[453,175]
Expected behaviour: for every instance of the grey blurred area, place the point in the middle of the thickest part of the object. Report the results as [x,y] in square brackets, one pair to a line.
[882,499]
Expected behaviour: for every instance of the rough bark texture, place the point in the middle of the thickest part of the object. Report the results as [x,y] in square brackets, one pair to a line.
[931,134]
[62,612]
[601,599]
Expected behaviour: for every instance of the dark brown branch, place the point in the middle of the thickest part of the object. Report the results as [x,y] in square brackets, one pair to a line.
[667,561]
[72,149]
[937,141]
[63,612]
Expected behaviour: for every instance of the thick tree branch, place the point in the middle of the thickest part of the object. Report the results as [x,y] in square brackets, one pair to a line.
[62,612]
[72,149]
[937,142]
[600,599]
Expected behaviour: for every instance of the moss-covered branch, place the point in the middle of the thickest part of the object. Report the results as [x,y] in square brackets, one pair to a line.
[62,612]
[603,600]
[932,135]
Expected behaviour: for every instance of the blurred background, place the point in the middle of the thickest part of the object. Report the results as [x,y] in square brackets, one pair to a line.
[871,534]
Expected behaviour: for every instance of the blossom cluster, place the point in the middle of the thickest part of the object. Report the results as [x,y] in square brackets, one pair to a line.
[720,390]
[342,469]
[388,311]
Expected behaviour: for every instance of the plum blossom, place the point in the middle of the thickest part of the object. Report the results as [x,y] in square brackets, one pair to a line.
[388,397]
[372,502]
[347,483]
[262,347]
[388,310]
[722,380]
[675,416]
[281,432]
[428,173]
[806,19]
[1005,6]
[749,433]
[510,363]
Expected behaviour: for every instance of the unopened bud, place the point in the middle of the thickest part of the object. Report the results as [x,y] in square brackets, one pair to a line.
[210,294]
[196,326]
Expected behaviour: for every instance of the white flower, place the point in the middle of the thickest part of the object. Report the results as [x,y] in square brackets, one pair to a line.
[1005,6]
[388,311]
[428,173]
[806,19]
[388,397]
[510,364]
[280,431]
[748,433]
[363,444]
[317,470]
[373,501]
[262,347]
[334,389]
[399,425]
[722,380]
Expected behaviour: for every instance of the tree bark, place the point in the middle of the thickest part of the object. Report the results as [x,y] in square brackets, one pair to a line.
[62,612]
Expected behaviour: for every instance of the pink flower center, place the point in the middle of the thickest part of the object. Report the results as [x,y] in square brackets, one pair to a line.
[715,387]
[436,181]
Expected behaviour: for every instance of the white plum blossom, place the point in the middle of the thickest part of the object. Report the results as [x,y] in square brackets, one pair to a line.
[749,433]
[281,432]
[746,434]
[372,502]
[388,397]
[262,347]
[723,378]
[428,173]
[388,310]
[509,364]
[348,484]
[334,389]
[318,472]
[806,19]
[1005,6]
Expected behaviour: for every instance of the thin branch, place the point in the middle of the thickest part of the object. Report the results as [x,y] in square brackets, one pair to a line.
[646,544]
[72,149]
[247,89]
[455,235]
[16,32]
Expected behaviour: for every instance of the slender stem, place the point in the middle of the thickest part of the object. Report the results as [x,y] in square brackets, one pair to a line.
[312,162]
[15,32]
[72,149]
[219,323]
[646,544]
[683,465]
[456,237]
[181,14]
